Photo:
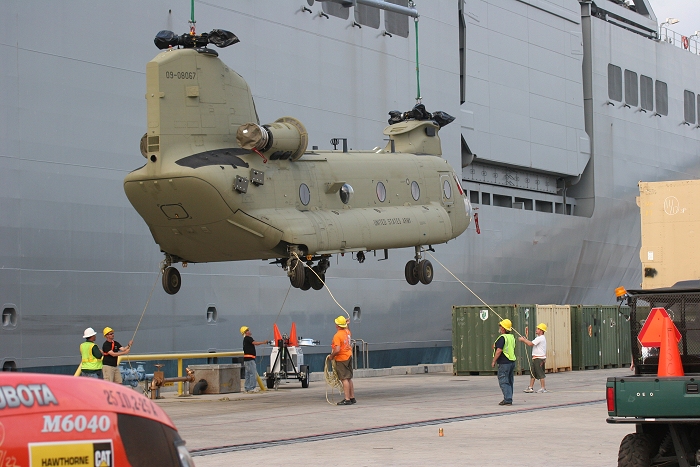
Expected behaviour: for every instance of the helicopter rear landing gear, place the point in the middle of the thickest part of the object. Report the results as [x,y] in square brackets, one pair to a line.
[305,278]
[419,269]
[171,280]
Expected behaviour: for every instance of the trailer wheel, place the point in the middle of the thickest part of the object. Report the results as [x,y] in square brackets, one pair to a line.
[304,370]
[635,451]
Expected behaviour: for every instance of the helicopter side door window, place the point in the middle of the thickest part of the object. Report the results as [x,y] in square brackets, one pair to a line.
[381,192]
[446,190]
[304,194]
[415,190]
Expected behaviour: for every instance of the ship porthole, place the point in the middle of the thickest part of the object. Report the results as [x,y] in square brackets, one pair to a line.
[381,191]
[346,193]
[447,189]
[304,194]
[415,190]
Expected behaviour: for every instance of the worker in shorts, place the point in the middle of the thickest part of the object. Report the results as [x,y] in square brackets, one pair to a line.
[112,350]
[341,352]
[539,356]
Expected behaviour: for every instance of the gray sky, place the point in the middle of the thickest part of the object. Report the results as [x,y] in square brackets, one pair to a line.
[687,11]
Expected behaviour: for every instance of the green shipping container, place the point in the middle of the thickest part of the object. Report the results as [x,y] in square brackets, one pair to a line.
[625,338]
[585,337]
[475,330]
[610,337]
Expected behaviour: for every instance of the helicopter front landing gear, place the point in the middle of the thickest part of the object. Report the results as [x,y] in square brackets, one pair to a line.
[171,280]
[171,276]
[419,269]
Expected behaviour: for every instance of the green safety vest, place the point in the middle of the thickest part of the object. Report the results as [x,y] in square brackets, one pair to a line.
[508,347]
[89,360]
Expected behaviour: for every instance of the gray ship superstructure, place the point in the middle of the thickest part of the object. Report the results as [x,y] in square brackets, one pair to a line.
[561,108]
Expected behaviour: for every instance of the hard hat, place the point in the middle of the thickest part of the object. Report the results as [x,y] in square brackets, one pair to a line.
[542,327]
[107,330]
[506,324]
[89,332]
[243,330]
[341,321]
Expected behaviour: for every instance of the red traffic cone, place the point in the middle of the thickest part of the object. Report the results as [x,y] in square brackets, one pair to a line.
[669,358]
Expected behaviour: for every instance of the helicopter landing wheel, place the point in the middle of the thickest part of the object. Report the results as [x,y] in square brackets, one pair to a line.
[171,280]
[411,272]
[298,274]
[314,281]
[425,271]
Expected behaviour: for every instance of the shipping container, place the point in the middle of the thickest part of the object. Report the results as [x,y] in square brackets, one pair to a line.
[585,337]
[474,333]
[610,337]
[623,318]
[669,223]
[558,321]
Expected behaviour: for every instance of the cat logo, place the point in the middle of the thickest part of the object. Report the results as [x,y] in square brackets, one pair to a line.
[75,453]
[103,454]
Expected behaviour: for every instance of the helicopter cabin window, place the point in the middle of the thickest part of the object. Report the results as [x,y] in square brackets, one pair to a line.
[346,192]
[415,190]
[396,23]
[631,88]
[304,194]
[447,189]
[661,98]
[614,82]
[381,192]
[689,106]
[646,86]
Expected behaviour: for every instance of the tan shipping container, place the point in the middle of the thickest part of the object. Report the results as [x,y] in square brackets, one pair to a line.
[558,321]
[670,224]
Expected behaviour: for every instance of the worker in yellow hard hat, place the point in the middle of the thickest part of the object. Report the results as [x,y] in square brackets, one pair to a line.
[111,350]
[504,355]
[539,357]
[251,372]
[341,352]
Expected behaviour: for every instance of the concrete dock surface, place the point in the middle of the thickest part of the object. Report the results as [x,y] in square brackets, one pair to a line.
[396,421]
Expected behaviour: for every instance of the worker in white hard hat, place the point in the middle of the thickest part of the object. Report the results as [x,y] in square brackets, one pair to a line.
[504,355]
[539,357]
[341,352]
[91,354]
[251,372]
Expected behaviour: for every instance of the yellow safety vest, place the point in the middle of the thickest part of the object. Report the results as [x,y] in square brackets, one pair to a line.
[508,346]
[89,360]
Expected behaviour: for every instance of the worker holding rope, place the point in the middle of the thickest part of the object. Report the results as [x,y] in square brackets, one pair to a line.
[504,355]
[111,350]
[539,357]
[341,352]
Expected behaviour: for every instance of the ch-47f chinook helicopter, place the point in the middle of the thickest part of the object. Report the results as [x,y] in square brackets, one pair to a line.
[218,186]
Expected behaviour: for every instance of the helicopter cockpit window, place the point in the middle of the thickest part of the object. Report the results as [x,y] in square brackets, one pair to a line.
[415,190]
[381,192]
[346,192]
[304,194]
[447,189]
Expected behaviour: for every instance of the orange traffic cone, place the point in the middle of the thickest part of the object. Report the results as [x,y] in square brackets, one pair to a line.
[276,334]
[669,358]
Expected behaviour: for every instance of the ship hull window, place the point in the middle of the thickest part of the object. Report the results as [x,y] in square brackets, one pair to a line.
[631,89]
[661,98]
[646,86]
[689,106]
[614,82]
